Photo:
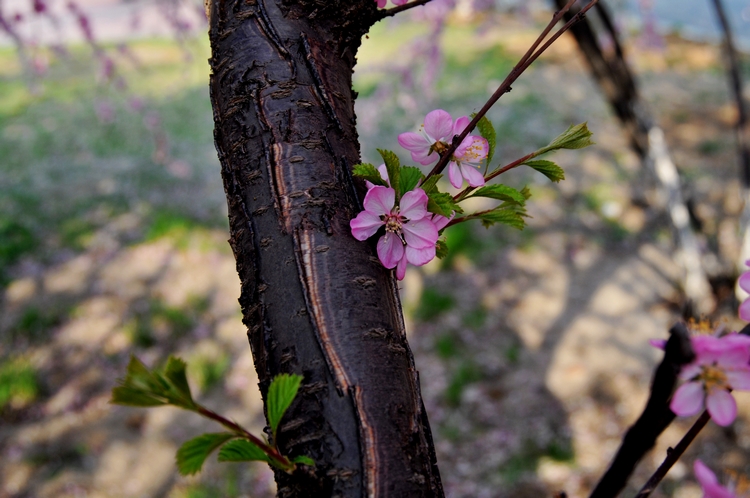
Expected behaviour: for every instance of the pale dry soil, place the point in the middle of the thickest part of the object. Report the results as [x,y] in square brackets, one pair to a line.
[532,347]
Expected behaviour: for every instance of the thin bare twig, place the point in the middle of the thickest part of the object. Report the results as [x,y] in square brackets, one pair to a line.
[673,454]
[401,8]
[530,56]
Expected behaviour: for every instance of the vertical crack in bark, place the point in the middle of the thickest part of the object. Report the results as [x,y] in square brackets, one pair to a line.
[317,317]
[367,438]
[319,86]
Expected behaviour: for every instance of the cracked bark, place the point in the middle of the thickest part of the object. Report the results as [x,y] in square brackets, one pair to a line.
[315,301]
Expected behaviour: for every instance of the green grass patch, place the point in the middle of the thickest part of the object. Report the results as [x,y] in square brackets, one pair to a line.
[475,318]
[18,383]
[527,460]
[432,304]
[467,373]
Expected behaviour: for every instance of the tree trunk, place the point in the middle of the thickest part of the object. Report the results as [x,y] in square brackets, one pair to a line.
[316,301]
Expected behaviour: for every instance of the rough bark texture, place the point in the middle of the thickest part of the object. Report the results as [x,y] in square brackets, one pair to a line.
[315,301]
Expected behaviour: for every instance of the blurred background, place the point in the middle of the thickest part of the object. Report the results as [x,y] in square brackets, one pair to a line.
[532,345]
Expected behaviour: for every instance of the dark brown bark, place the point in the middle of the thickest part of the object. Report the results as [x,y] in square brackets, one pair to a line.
[315,300]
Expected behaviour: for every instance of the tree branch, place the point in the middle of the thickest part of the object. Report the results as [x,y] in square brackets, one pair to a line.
[401,8]
[656,416]
[673,454]
[529,57]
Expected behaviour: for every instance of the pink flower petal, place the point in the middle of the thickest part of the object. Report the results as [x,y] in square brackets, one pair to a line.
[390,250]
[381,3]
[460,125]
[414,142]
[744,281]
[414,205]
[687,400]
[438,125]
[658,343]
[709,483]
[473,176]
[420,234]
[380,200]
[454,175]
[739,380]
[440,222]
[721,406]
[401,268]
[419,257]
[745,310]
[365,225]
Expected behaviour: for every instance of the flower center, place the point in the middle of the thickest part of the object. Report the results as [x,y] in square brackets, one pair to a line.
[713,377]
[440,147]
[473,153]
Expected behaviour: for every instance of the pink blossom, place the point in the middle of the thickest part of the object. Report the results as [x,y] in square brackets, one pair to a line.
[410,236]
[720,365]
[744,282]
[381,3]
[709,483]
[437,135]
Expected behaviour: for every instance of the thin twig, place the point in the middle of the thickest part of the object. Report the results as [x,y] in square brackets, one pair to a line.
[267,449]
[673,454]
[401,8]
[515,73]
[462,195]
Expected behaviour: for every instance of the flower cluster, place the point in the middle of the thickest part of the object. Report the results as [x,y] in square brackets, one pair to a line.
[409,230]
[721,364]
[437,134]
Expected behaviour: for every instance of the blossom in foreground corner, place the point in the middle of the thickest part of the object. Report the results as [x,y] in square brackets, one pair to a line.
[410,236]
[744,282]
[720,365]
[437,135]
[710,484]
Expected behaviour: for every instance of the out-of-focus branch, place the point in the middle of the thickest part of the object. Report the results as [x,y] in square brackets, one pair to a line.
[617,82]
[673,455]
[656,416]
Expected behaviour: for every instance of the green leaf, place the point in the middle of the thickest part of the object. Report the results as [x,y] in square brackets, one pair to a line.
[140,387]
[193,453]
[442,203]
[441,249]
[370,173]
[575,137]
[431,184]
[488,132]
[175,374]
[410,177]
[242,450]
[304,460]
[507,216]
[548,169]
[281,393]
[499,192]
[393,166]
[133,397]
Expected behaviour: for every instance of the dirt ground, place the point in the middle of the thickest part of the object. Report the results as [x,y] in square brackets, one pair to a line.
[532,346]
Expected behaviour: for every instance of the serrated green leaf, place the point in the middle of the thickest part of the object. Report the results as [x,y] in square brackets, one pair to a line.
[442,203]
[548,169]
[499,192]
[502,215]
[431,184]
[175,374]
[370,173]
[441,249]
[281,393]
[193,453]
[410,177]
[127,396]
[304,460]
[393,166]
[488,132]
[575,137]
[241,450]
